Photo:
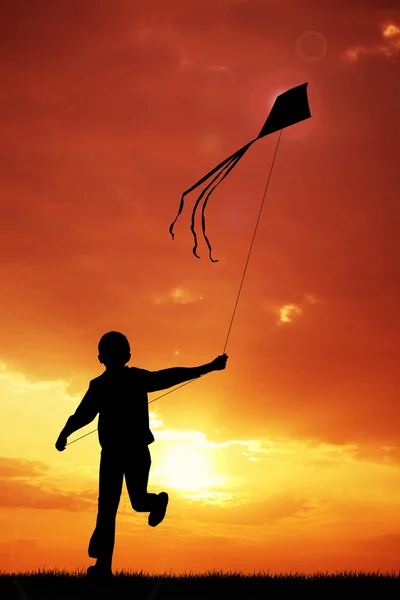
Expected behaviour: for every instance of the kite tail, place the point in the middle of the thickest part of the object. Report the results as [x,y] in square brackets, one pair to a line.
[171,227]
[217,168]
[231,162]
[203,220]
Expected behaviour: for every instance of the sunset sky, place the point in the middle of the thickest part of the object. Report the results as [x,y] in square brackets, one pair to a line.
[289,460]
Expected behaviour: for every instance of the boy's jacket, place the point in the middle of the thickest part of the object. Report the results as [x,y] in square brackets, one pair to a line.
[122,404]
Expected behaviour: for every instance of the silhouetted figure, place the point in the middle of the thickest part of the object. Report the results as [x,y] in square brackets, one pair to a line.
[119,396]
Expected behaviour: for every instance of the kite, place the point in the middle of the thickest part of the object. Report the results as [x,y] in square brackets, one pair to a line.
[289,108]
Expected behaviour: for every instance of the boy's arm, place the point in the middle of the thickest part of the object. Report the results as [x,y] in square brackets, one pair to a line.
[84,414]
[166,378]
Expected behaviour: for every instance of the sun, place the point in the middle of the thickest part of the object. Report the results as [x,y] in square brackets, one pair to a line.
[186,467]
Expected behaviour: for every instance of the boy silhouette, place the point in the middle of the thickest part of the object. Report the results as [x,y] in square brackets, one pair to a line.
[119,396]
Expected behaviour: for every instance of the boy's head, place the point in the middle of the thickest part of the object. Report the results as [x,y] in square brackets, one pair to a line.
[114,350]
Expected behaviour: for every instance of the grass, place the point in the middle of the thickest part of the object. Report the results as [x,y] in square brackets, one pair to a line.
[62,585]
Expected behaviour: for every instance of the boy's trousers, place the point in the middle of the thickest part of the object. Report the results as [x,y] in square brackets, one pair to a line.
[114,464]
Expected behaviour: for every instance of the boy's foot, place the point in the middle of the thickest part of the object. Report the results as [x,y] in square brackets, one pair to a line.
[157,514]
[95,572]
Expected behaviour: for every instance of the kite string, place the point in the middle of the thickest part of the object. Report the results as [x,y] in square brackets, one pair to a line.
[240,288]
[252,241]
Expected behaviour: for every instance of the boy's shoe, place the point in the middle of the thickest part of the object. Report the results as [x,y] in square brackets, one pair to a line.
[95,572]
[157,514]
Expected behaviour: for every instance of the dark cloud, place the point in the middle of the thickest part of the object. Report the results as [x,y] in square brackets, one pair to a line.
[255,513]
[17,490]
[386,454]
[25,543]
[16,468]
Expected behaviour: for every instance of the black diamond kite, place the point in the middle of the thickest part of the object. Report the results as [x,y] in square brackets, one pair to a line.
[289,108]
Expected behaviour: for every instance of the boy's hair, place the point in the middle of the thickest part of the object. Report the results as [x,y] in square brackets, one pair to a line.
[113,340]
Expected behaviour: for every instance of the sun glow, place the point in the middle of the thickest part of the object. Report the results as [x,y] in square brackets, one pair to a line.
[186,467]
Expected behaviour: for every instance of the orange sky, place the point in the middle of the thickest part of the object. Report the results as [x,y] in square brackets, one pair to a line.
[109,111]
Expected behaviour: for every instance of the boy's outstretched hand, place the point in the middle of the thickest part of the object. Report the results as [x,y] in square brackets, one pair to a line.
[219,363]
[61,443]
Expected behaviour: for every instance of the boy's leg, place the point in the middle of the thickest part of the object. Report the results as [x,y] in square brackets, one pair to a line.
[101,545]
[137,469]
